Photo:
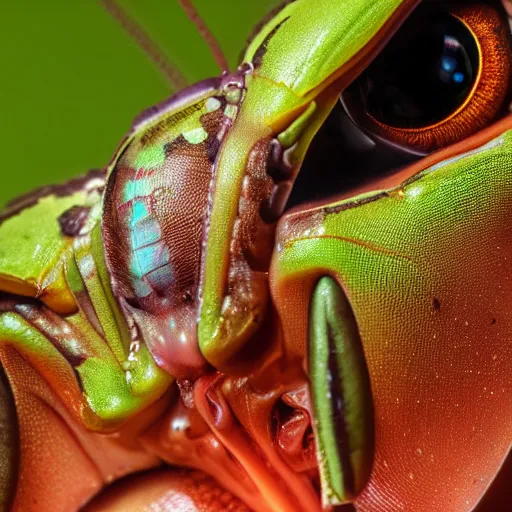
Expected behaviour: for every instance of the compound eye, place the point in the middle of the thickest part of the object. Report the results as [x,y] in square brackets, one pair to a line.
[444,76]
[428,81]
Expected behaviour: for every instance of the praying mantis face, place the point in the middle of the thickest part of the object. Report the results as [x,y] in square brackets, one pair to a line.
[292,277]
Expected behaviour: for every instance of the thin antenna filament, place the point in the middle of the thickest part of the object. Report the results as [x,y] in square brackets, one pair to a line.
[206,34]
[151,49]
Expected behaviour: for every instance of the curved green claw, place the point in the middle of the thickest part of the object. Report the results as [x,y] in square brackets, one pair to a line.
[342,400]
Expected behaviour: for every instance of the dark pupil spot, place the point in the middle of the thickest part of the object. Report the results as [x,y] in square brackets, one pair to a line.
[422,80]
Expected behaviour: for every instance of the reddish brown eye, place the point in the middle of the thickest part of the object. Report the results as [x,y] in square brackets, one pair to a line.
[443,77]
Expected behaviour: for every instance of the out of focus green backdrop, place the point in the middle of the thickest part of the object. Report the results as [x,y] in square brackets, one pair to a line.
[72,80]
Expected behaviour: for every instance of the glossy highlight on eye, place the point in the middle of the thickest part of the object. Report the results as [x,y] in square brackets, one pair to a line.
[431,100]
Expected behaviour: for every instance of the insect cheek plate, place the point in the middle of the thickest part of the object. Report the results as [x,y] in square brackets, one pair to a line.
[414,244]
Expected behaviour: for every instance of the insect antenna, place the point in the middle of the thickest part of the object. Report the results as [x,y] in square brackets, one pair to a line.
[206,34]
[144,41]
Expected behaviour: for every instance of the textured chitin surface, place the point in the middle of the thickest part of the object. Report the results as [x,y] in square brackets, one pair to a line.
[427,269]
[8,444]
[61,463]
[167,491]
[154,218]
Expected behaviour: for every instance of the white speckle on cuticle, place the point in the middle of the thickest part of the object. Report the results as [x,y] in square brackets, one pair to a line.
[195,136]
[212,104]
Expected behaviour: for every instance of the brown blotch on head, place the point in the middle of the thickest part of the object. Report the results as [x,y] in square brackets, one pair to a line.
[73,220]
[262,49]
[30,199]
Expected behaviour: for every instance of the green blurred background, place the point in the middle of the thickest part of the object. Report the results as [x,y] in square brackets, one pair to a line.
[72,80]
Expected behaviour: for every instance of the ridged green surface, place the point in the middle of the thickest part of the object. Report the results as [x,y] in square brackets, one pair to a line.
[303,58]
